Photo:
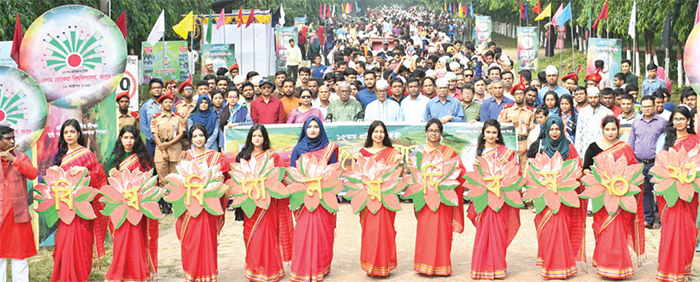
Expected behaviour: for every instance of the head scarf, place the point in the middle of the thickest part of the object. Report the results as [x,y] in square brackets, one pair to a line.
[550,146]
[307,144]
[207,118]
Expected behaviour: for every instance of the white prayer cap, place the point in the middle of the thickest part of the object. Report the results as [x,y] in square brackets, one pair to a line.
[255,80]
[208,62]
[593,91]
[442,82]
[450,76]
[551,70]
[382,84]
[362,59]
[430,73]
[454,65]
[432,50]
[238,79]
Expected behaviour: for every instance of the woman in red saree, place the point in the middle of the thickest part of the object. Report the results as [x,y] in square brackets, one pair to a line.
[434,230]
[494,230]
[560,236]
[378,252]
[267,233]
[611,256]
[135,248]
[72,254]
[678,229]
[199,235]
[312,250]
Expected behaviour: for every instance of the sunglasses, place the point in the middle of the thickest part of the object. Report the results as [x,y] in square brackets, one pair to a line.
[306,97]
[468,75]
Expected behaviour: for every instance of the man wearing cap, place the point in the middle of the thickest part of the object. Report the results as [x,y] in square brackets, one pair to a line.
[588,128]
[383,109]
[294,58]
[570,81]
[593,79]
[523,119]
[148,109]
[267,109]
[188,104]
[444,107]
[452,89]
[126,117]
[168,128]
[552,78]
[492,106]
[234,70]
[208,68]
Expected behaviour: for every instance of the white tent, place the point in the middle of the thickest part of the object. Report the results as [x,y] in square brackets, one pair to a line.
[255,46]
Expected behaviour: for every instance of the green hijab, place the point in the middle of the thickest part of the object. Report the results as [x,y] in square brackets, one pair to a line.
[550,146]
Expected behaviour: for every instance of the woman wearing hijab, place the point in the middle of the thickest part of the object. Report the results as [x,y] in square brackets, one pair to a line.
[206,116]
[560,235]
[312,247]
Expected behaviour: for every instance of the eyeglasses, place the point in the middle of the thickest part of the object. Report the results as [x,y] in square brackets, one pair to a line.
[433,131]
[306,97]
[679,120]
[156,88]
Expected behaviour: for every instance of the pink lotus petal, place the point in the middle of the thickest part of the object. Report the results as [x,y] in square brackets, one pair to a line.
[552,199]
[495,203]
[134,216]
[331,201]
[358,200]
[215,204]
[392,201]
[611,202]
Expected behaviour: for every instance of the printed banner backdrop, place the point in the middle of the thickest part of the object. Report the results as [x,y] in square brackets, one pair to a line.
[528,48]
[483,28]
[76,54]
[22,106]
[299,21]
[351,137]
[175,65]
[608,50]
[5,50]
[130,82]
[223,55]
[282,36]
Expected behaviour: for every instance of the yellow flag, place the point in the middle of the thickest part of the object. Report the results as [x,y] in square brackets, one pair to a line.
[547,12]
[185,25]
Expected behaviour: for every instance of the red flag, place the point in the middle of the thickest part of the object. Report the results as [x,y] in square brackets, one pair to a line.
[240,16]
[17,41]
[121,23]
[328,12]
[522,9]
[537,9]
[320,11]
[251,18]
[603,15]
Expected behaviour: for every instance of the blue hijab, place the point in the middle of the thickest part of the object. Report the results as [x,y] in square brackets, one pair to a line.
[550,146]
[207,118]
[306,144]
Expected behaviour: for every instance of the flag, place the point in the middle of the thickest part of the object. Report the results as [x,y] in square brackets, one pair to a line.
[240,16]
[450,7]
[471,10]
[590,16]
[17,41]
[209,27]
[522,9]
[221,21]
[349,7]
[320,11]
[251,18]
[603,15]
[184,27]
[444,3]
[633,21]
[527,11]
[157,30]
[666,37]
[537,9]
[121,23]
[564,16]
[461,12]
[281,21]
[547,12]
[697,14]
[357,8]
[275,17]
[561,8]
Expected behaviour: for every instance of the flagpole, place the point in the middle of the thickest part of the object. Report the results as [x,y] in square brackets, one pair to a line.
[573,52]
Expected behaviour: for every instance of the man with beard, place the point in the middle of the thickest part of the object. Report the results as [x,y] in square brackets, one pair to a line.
[304,75]
[607,99]
[313,86]
[383,109]
[522,118]
[414,105]
[588,128]
[581,98]
[267,109]
[126,117]
[280,76]
[289,102]
[248,93]
[367,95]
[531,97]
[552,76]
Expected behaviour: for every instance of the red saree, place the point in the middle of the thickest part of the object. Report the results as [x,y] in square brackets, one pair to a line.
[561,236]
[135,248]
[494,232]
[614,233]
[72,254]
[678,230]
[199,235]
[267,236]
[378,252]
[312,250]
[434,230]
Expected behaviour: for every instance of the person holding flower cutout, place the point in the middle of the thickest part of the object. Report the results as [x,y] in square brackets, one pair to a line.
[617,202]
[268,224]
[376,172]
[436,190]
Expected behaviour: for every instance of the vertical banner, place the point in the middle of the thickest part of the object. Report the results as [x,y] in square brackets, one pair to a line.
[130,83]
[223,55]
[483,28]
[608,50]
[5,50]
[528,48]
[282,36]
[174,66]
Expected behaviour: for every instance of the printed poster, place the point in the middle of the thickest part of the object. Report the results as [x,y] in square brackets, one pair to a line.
[607,49]
[299,21]
[171,63]
[130,82]
[5,50]
[223,55]
[282,36]
[527,48]
[483,27]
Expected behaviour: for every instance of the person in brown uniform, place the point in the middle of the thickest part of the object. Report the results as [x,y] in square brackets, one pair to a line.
[186,106]
[126,117]
[522,118]
[168,128]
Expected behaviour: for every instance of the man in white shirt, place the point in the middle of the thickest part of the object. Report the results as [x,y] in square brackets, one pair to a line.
[323,99]
[588,129]
[383,109]
[293,59]
[415,103]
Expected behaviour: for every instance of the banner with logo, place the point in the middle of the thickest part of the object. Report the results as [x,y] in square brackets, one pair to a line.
[282,36]
[607,49]
[171,62]
[351,138]
[527,48]
[223,55]
[483,27]
[299,21]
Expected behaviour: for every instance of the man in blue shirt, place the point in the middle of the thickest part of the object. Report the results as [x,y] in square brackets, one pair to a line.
[651,83]
[317,68]
[492,106]
[148,109]
[368,95]
[552,79]
[444,107]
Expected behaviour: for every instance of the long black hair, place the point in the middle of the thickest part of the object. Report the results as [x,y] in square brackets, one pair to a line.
[386,142]
[139,148]
[247,151]
[62,145]
[671,130]
[481,142]
[198,127]
[609,119]
[573,115]
[556,99]
[433,121]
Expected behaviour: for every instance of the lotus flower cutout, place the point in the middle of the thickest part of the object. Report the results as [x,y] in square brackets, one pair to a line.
[253,183]
[676,175]
[131,195]
[195,187]
[374,184]
[314,182]
[432,181]
[551,182]
[613,184]
[492,184]
[63,196]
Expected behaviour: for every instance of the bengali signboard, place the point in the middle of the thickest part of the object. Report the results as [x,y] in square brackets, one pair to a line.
[282,36]
[527,48]
[607,49]
[171,62]
[223,55]
[22,106]
[483,27]
[130,82]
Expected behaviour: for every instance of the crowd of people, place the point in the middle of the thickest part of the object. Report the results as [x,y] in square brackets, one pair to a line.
[421,74]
